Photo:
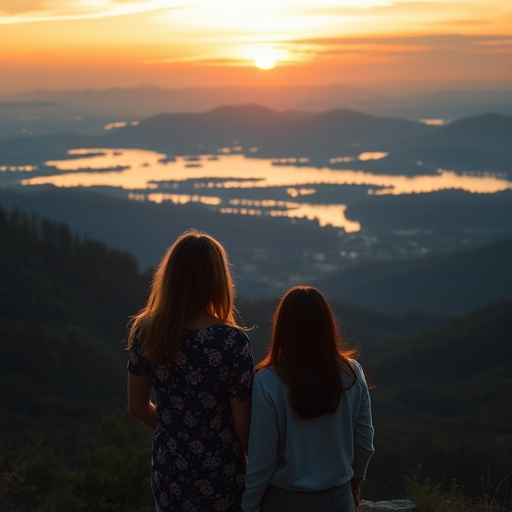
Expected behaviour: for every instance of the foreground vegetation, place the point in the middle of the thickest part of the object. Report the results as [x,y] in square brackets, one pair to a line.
[430,497]
[111,474]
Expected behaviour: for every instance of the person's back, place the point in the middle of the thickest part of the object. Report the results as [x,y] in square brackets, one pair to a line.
[185,344]
[195,447]
[311,435]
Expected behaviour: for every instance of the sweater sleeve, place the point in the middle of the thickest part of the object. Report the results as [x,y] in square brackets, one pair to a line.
[263,445]
[363,430]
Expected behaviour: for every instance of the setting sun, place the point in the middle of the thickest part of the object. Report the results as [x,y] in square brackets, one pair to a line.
[265,60]
[266,57]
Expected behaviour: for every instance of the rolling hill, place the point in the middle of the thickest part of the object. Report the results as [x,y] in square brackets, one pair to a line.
[458,375]
[445,284]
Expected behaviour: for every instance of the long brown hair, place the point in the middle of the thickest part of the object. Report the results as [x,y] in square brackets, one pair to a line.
[192,278]
[307,352]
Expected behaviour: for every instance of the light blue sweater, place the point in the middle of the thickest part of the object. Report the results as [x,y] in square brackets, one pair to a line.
[305,454]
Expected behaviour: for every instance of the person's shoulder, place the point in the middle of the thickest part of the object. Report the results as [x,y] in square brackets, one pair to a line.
[354,365]
[232,330]
[267,374]
[269,386]
[231,339]
[358,370]
[136,345]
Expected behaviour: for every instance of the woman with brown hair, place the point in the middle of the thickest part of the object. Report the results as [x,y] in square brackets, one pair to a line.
[186,346]
[311,432]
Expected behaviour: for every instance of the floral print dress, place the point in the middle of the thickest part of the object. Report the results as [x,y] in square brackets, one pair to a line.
[197,463]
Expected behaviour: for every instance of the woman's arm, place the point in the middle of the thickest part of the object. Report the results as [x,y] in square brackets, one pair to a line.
[363,434]
[356,490]
[139,399]
[263,445]
[241,420]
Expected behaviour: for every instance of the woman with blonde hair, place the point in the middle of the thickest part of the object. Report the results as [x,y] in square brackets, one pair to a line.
[185,345]
[311,434]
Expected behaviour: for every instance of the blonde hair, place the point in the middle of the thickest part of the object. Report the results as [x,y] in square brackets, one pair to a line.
[192,278]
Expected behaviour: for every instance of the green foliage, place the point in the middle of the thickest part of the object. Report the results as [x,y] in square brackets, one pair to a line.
[112,473]
[109,472]
[430,497]
[443,453]
[13,483]
[43,471]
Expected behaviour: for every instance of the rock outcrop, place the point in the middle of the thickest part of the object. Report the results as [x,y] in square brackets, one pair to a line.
[387,506]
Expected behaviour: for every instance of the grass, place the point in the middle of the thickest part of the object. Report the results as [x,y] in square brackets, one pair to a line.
[13,477]
[429,497]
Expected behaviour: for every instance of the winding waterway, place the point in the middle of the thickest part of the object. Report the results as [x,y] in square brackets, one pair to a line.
[220,182]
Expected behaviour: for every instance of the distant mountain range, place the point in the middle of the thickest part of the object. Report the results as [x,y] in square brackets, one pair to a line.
[478,144]
[274,134]
[87,110]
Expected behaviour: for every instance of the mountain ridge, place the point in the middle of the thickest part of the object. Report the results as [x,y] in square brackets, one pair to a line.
[448,284]
[259,131]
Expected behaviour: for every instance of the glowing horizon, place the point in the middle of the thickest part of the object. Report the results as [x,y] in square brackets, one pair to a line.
[102,43]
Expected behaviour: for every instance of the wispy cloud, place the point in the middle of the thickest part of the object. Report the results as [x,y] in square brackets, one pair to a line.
[33,11]
[23,11]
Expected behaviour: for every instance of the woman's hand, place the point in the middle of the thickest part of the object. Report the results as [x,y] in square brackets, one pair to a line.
[356,490]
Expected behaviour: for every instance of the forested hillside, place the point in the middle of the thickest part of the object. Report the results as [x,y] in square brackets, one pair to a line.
[64,306]
[450,283]
[441,396]
[458,375]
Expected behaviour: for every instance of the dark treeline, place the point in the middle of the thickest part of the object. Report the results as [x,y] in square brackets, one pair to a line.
[441,398]
[41,258]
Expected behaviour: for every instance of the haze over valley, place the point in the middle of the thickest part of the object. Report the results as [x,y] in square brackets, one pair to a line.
[342,187]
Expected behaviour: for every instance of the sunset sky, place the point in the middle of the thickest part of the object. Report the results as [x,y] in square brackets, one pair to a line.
[59,44]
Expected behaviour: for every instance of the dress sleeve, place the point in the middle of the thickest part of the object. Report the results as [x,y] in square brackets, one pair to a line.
[363,431]
[242,367]
[137,364]
[263,445]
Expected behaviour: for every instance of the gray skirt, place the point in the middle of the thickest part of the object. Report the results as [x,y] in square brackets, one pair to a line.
[337,499]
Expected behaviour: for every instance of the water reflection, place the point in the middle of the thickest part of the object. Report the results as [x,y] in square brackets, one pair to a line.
[178,198]
[372,155]
[152,176]
[433,121]
[325,215]
[119,124]
[18,168]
